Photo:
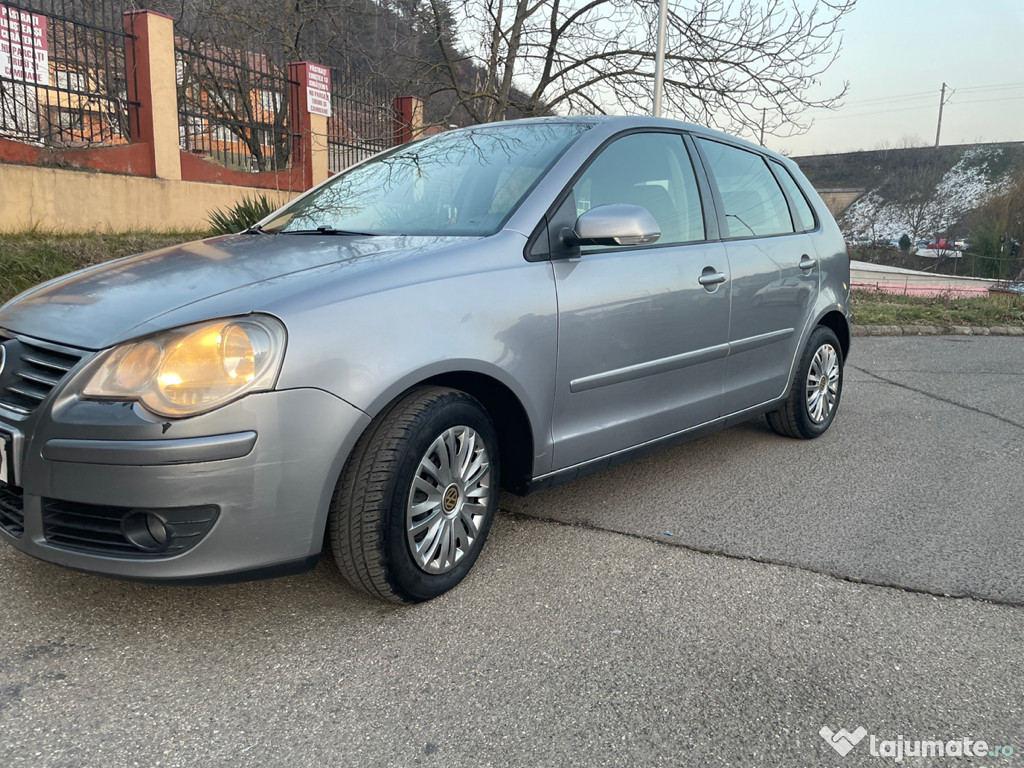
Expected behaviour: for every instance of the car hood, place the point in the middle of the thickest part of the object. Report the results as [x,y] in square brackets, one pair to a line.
[102,305]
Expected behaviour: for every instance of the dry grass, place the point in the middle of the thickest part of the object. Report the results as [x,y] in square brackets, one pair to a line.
[876,308]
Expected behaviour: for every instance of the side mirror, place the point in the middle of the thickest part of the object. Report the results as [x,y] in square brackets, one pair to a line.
[616,224]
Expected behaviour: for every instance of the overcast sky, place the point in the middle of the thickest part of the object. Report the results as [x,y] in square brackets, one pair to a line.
[896,55]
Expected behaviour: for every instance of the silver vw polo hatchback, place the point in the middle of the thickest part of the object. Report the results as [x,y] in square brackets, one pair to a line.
[505,306]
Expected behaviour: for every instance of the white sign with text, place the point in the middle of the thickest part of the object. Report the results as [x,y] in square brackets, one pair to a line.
[318,89]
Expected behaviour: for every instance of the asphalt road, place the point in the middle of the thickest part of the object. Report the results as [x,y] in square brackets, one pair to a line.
[919,483]
[604,641]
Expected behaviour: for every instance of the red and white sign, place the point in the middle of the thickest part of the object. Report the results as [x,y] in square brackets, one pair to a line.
[23,54]
[318,90]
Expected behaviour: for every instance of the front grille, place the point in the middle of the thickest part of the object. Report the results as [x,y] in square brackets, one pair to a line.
[12,510]
[109,530]
[31,371]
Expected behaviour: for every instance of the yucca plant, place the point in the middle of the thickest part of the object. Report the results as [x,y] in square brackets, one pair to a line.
[241,215]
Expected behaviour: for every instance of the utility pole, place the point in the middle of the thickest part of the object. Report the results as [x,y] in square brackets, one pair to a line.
[659,58]
[763,113]
[942,101]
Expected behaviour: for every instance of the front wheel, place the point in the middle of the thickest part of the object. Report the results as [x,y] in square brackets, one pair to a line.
[814,395]
[417,497]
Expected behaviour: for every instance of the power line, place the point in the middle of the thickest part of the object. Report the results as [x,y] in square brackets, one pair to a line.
[949,100]
[987,101]
[928,94]
[919,95]
[876,112]
[992,87]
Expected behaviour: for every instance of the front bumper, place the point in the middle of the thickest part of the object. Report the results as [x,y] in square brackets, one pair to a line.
[254,480]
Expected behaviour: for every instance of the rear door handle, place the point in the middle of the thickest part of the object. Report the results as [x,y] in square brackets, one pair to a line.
[711,278]
[806,262]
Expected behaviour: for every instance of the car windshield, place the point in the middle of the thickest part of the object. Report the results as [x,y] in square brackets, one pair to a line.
[461,183]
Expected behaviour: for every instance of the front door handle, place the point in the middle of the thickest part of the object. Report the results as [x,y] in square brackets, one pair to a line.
[806,262]
[710,277]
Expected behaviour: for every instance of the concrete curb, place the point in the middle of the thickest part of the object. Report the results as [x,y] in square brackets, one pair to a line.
[936,330]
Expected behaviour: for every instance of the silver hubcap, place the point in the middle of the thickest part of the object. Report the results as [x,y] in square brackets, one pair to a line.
[448,500]
[822,383]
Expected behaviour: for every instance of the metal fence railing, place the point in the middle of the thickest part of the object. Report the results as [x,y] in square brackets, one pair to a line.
[63,80]
[233,107]
[64,84]
[362,120]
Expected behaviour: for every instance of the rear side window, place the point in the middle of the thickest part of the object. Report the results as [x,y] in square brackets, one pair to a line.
[754,203]
[801,208]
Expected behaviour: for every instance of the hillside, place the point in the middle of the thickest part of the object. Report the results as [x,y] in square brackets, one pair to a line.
[918,191]
[872,168]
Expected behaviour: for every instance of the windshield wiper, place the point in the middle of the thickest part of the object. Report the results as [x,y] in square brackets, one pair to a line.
[325,231]
[255,229]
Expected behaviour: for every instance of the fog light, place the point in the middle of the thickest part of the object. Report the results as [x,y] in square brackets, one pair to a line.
[146,530]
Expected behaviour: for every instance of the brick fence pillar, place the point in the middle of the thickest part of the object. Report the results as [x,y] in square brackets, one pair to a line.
[408,118]
[153,89]
[309,141]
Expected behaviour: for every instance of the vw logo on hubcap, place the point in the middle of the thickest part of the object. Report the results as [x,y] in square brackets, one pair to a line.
[451,498]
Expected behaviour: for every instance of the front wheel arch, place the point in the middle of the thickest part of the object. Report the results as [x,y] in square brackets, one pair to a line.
[515,432]
[371,514]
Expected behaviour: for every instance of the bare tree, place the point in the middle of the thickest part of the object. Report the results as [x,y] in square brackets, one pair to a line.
[729,63]
[233,77]
[914,192]
[997,231]
[238,81]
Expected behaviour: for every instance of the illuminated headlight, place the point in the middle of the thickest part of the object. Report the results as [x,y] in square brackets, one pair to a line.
[194,369]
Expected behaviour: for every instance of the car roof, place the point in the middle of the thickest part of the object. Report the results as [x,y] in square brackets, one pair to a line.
[617,123]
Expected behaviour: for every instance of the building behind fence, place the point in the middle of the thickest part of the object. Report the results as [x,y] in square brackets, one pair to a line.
[83,85]
[63,80]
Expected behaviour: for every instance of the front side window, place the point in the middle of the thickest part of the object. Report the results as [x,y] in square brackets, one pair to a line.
[754,203]
[461,183]
[652,170]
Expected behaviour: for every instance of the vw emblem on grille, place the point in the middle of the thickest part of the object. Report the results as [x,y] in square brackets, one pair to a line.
[3,357]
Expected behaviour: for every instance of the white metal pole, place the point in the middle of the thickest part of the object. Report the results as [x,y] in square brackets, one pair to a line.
[659,58]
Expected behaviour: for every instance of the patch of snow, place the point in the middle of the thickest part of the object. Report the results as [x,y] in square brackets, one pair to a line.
[964,187]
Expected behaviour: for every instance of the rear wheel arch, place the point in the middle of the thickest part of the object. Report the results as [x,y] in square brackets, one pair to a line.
[836,321]
[815,390]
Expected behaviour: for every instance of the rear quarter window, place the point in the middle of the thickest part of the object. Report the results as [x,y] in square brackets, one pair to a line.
[803,214]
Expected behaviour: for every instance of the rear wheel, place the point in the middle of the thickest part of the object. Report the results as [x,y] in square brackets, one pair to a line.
[417,497]
[817,387]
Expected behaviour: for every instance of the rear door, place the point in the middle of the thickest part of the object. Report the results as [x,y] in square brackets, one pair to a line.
[774,273]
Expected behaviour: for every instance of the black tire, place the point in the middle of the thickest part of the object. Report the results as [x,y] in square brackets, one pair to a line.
[795,418]
[372,509]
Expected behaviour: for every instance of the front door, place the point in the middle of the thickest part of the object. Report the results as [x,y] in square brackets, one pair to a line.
[643,330]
